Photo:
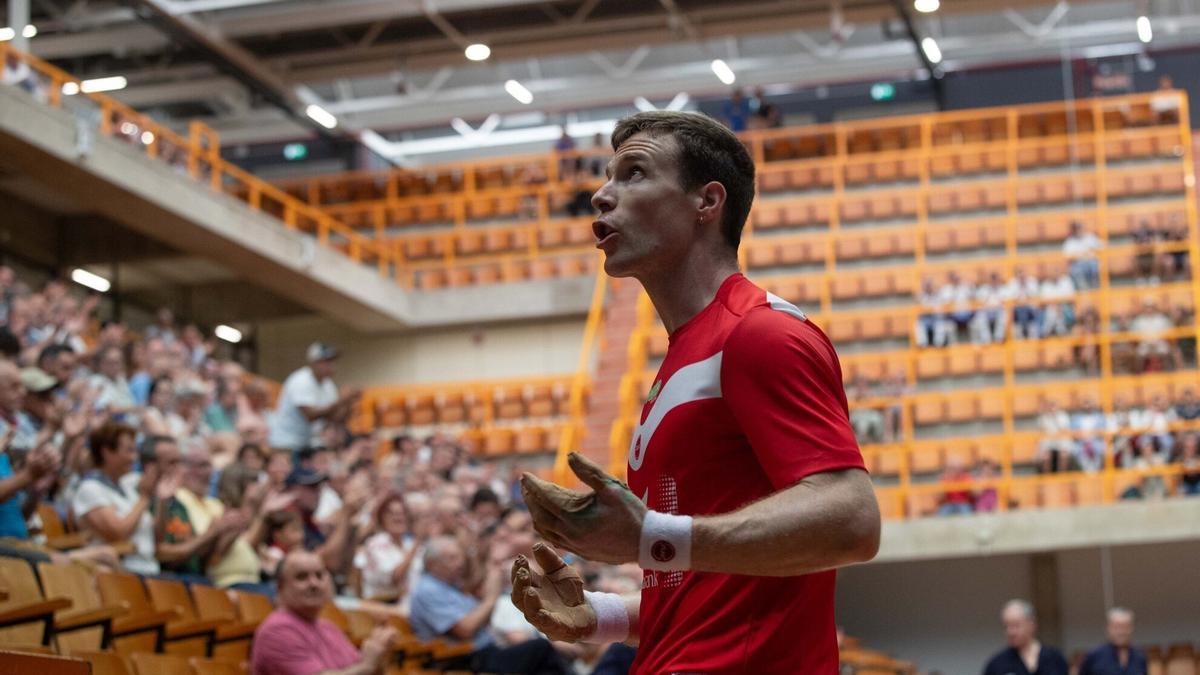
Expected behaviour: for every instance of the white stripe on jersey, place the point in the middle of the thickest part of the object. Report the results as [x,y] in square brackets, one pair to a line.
[693,382]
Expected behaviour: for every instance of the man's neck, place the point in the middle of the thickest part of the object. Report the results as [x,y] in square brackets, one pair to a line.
[680,294]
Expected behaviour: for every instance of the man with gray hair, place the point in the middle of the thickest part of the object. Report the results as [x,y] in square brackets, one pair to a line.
[1024,654]
[1117,656]
[442,608]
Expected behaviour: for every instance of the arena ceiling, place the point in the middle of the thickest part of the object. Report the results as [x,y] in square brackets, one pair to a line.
[252,67]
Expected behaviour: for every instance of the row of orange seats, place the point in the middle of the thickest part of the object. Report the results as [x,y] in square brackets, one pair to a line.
[471,273]
[469,403]
[469,242]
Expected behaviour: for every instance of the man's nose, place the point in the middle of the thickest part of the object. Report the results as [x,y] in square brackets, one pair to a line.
[602,199]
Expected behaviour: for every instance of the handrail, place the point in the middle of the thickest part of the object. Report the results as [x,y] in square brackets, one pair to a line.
[573,430]
[200,153]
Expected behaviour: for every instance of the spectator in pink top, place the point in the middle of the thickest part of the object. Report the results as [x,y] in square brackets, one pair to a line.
[294,640]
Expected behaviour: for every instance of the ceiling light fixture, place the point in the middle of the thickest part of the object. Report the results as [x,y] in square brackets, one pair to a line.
[1144,29]
[99,84]
[321,116]
[932,51]
[723,72]
[478,52]
[92,281]
[70,88]
[926,6]
[228,333]
[518,91]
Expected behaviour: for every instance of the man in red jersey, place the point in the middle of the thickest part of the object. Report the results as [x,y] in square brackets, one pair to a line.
[746,486]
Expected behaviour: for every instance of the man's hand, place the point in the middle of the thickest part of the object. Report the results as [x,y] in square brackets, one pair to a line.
[378,644]
[604,525]
[552,601]
[167,486]
[149,480]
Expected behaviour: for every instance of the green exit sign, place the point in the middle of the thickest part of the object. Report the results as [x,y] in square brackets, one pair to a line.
[883,91]
[295,151]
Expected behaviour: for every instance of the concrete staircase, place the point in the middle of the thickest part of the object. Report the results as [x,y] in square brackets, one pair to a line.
[620,319]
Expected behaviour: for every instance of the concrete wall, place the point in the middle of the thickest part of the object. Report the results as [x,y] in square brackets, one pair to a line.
[944,614]
[493,351]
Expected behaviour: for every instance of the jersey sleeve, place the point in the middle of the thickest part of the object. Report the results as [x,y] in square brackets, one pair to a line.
[781,378]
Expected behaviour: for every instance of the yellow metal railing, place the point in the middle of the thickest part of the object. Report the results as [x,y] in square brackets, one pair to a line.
[573,429]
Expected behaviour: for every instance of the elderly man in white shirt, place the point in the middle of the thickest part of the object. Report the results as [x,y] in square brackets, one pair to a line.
[1058,316]
[310,399]
[960,295]
[1023,289]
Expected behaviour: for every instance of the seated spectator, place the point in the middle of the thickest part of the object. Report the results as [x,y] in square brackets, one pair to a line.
[1058,310]
[159,417]
[1080,249]
[112,504]
[867,422]
[22,482]
[278,468]
[221,415]
[959,295]
[294,640]
[987,499]
[1089,424]
[332,543]
[191,396]
[195,525]
[1156,421]
[991,320]
[1024,291]
[114,393]
[1188,406]
[1151,327]
[568,162]
[1150,485]
[735,112]
[1118,656]
[1024,653]
[1189,459]
[1087,350]
[235,562]
[1165,104]
[440,608]
[1175,264]
[955,501]
[253,417]
[895,388]
[1183,348]
[283,534]
[1055,449]
[1144,259]
[17,73]
[932,328]
[386,557]
[251,456]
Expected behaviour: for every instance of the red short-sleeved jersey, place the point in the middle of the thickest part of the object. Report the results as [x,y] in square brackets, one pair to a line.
[748,401]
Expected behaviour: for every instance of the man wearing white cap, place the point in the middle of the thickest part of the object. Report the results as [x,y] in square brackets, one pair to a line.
[310,399]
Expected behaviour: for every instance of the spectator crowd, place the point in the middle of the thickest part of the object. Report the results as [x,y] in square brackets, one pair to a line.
[152,446]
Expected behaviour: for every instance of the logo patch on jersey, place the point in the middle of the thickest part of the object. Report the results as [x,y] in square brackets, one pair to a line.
[654,391]
[693,382]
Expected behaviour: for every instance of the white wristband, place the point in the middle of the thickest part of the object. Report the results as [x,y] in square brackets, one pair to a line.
[666,544]
[612,619]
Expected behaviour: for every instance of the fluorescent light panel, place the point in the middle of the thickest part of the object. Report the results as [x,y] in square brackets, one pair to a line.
[932,51]
[321,116]
[92,281]
[478,52]
[518,91]
[926,6]
[100,84]
[228,333]
[723,72]
[1144,29]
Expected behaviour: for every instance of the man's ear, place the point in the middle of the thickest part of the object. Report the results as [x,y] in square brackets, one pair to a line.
[710,202]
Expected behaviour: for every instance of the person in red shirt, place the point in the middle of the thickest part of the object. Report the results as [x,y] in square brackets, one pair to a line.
[746,485]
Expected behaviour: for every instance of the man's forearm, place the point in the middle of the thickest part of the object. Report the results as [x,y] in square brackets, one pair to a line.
[14,484]
[822,522]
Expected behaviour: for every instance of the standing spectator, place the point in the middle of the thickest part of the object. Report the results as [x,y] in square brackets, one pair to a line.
[156,364]
[163,327]
[1058,312]
[310,399]
[1055,447]
[735,112]
[442,609]
[1080,249]
[1189,458]
[1151,326]
[1023,289]
[959,294]
[568,162]
[221,415]
[932,328]
[991,320]
[295,640]
[1024,654]
[254,411]
[895,388]
[112,503]
[1118,656]
[955,501]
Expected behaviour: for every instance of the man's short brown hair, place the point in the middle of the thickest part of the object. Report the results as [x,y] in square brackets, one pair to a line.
[708,151]
[107,436]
